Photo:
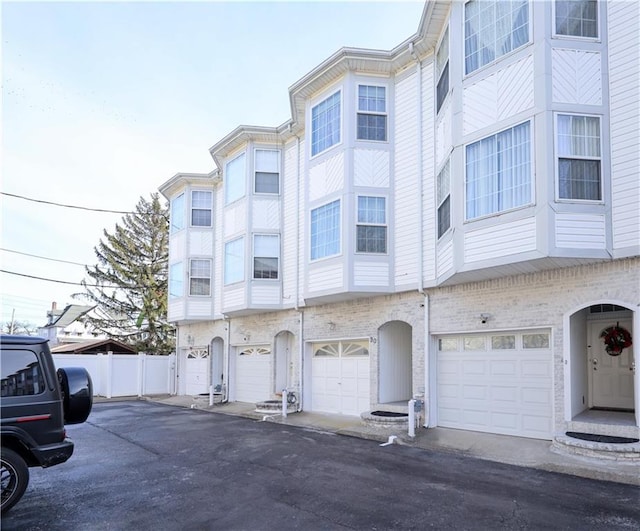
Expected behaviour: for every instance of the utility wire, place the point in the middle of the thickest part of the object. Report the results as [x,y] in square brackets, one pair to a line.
[42,257]
[67,206]
[67,282]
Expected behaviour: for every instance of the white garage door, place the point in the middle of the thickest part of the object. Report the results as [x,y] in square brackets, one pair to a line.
[197,370]
[496,383]
[253,374]
[340,377]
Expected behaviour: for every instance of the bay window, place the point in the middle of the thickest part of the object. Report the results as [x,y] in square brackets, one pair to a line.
[176,280]
[443,199]
[325,124]
[266,253]
[201,206]
[498,172]
[372,113]
[493,28]
[267,171]
[234,179]
[200,277]
[577,18]
[579,152]
[442,70]
[177,213]
[371,230]
[325,230]
[234,261]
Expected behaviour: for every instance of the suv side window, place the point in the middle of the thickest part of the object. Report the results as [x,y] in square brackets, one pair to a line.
[20,374]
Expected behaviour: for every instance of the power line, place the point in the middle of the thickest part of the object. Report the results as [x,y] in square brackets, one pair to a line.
[68,282]
[66,206]
[42,257]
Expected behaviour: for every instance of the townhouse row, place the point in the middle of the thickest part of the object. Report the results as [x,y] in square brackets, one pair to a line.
[455,219]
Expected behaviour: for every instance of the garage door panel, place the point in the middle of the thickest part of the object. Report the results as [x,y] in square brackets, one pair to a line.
[536,369]
[505,393]
[475,392]
[504,368]
[474,368]
[506,390]
[253,377]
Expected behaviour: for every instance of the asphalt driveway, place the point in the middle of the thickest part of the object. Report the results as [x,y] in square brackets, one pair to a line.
[141,466]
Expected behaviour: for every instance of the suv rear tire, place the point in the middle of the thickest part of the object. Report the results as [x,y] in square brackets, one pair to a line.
[15,478]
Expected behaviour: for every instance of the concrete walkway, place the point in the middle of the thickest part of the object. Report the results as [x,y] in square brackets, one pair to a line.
[517,451]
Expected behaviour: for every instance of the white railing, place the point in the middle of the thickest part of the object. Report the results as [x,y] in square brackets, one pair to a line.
[124,374]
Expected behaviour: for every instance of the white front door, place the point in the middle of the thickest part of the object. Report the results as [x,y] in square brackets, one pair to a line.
[611,376]
[340,377]
[197,371]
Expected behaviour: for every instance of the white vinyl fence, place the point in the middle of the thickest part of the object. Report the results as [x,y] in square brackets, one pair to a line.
[124,374]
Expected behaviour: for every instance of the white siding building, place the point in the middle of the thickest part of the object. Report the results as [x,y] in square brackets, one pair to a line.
[455,219]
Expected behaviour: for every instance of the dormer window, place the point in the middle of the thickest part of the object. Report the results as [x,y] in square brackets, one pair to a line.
[372,113]
[325,124]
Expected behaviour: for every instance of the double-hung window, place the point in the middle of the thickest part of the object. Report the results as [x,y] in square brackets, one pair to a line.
[200,277]
[176,280]
[234,179]
[266,253]
[325,124]
[325,230]
[372,113]
[234,261]
[444,199]
[577,18]
[498,172]
[201,208]
[267,171]
[442,67]
[579,159]
[493,28]
[177,213]
[371,230]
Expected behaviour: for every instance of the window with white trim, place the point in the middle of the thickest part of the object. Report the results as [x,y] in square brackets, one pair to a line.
[234,179]
[200,277]
[372,113]
[201,207]
[442,70]
[443,199]
[371,230]
[577,18]
[498,172]
[176,280]
[266,256]
[579,157]
[234,261]
[325,124]
[267,171]
[325,230]
[177,213]
[493,28]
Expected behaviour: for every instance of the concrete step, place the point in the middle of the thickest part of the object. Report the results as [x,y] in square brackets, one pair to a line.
[625,452]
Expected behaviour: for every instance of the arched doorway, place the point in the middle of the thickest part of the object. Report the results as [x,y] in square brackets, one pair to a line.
[394,362]
[217,362]
[602,380]
[284,366]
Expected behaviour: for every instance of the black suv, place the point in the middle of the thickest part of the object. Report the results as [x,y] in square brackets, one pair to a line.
[36,402]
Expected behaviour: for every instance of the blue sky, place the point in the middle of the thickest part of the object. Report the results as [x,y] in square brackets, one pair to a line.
[103,102]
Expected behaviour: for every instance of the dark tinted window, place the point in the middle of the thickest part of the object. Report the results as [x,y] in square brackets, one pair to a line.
[21,373]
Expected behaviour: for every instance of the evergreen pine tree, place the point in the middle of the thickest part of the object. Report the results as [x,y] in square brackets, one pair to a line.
[129,283]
